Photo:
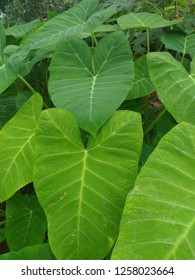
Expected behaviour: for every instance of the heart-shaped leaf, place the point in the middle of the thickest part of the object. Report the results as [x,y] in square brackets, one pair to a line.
[16,146]
[25,222]
[80,20]
[144,21]
[91,86]
[175,87]
[158,220]
[83,191]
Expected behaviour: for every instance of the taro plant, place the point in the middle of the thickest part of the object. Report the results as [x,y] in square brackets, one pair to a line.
[71,147]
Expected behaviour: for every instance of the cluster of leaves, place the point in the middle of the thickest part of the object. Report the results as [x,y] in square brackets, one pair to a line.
[71,145]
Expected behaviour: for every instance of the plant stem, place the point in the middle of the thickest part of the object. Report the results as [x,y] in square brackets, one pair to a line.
[30,88]
[182,59]
[151,126]
[27,84]
[94,40]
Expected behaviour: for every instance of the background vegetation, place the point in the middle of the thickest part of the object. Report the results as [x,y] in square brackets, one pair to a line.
[142,55]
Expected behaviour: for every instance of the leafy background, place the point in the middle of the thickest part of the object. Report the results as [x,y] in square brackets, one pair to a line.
[97,129]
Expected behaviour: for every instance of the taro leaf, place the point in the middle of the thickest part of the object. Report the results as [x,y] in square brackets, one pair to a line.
[142,84]
[83,191]
[18,31]
[91,87]
[9,70]
[33,57]
[10,101]
[144,21]
[158,221]
[16,146]
[80,20]
[25,222]
[175,87]
[36,252]
[180,42]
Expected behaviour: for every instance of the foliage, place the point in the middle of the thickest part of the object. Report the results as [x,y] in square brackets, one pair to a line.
[97,133]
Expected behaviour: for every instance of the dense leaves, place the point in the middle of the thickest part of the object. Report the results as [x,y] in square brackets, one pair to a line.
[77,179]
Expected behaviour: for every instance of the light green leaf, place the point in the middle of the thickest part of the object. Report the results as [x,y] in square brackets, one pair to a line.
[10,101]
[82,191]
[36,252]
[175,87]
[80,20]
[25,222]
[91,87]
[144,21]
[142,84]
[158,221]
[19,30]
[17,146]
[180,42]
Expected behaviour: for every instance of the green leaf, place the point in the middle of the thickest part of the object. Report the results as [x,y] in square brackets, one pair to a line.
[18,31]
[17,146]
[175,87]
[25,222]
[192,68]
[158,221]
[142,84]
[80,20]
[9,70]
[36,252]
[10,101]
[179,42]
[2,42]
[144,21]
[83,191]
[91,87]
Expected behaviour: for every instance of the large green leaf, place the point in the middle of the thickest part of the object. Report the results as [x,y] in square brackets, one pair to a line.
[16,146]
[82,191]
[158,221]
[180,42]
[25,222]
[91,86]
[36,252]
[142,84]
[80,20]
[144,21]
[175,87]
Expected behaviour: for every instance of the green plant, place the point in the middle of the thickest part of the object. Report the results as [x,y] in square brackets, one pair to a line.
[72,144]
